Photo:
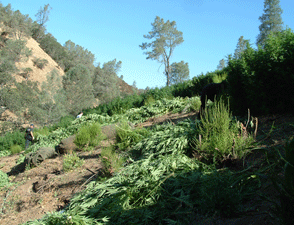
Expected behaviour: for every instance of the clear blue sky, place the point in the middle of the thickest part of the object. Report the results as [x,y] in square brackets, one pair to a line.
[114,29]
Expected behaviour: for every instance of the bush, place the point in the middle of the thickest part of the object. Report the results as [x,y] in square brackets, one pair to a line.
[112,161]
[221,137]
[14,149]
[71,162]
[89,135]
[40,63]
[10,139]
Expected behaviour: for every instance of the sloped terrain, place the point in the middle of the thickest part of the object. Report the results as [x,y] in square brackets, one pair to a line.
[37,74]
[47,188]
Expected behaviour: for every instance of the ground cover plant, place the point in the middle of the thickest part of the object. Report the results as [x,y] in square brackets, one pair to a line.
[161,182]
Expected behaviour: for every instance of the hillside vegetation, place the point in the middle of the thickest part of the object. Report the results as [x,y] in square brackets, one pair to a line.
[42,80]
[234,164]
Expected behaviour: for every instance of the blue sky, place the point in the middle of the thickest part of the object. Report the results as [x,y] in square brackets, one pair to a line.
[114,29]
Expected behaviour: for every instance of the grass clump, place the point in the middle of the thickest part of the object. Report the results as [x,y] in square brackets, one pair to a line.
[111,160]
[14,149]
[219,137]
[71,162]
[89,135]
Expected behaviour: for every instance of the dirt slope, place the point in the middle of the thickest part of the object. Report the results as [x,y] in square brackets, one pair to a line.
[37,74]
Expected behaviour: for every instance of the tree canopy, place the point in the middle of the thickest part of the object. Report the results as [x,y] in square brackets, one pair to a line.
[165,38]
[271,20]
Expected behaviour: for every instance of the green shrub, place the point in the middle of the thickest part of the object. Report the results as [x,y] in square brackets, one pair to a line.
[12,138]
[4,179]
[219,136]
[44,131]
[71,162]
[40,63]
[89,135]
[15,149]
[112,161]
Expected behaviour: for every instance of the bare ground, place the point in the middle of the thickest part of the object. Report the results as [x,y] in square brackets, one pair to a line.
[47,188]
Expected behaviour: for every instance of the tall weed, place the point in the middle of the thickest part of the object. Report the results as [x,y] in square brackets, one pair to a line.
[219,137]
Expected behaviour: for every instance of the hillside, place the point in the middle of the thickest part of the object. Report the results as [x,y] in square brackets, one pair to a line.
[37,74]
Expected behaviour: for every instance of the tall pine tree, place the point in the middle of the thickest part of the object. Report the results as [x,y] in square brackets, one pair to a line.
[271,20]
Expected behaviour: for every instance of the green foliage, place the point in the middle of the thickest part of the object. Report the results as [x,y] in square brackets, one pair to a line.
[77,83]
[26,72]
[53,48]
[128,136]
[40,63]
[44,131]
[271,20]
[4,179]
[179,72]
[14,149]
[266,71]
[71,162]
[165,38]
[112,160]
[89,135]
[10,139]
[284,184]
[221,138]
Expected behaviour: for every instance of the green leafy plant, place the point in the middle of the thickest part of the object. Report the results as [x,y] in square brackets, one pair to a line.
[127,136]
[219,137]
[89,135]
[71,162]
[40,63]
[14,149]
[112,161]
[4,179]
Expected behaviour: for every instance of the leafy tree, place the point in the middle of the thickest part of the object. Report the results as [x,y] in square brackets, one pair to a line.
[165,38]
[77,83]
[221,65]
[52,99]
[12,51]
[14,23]
[241,46]
[271,20]
[76,54]
[39,27]
[105,81]
[53,48]
[179,72]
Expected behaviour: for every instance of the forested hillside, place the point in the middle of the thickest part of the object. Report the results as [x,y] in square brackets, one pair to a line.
[42,80]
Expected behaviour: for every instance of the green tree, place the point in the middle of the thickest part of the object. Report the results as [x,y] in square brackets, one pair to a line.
[52,99]
[221,65]
[165,38]
[42,17]
[271,20]
[105,81]
[76,54]
[179,72]
[77,83]
[241,46]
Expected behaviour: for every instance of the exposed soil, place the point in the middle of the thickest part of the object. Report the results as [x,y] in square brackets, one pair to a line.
[47,188]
